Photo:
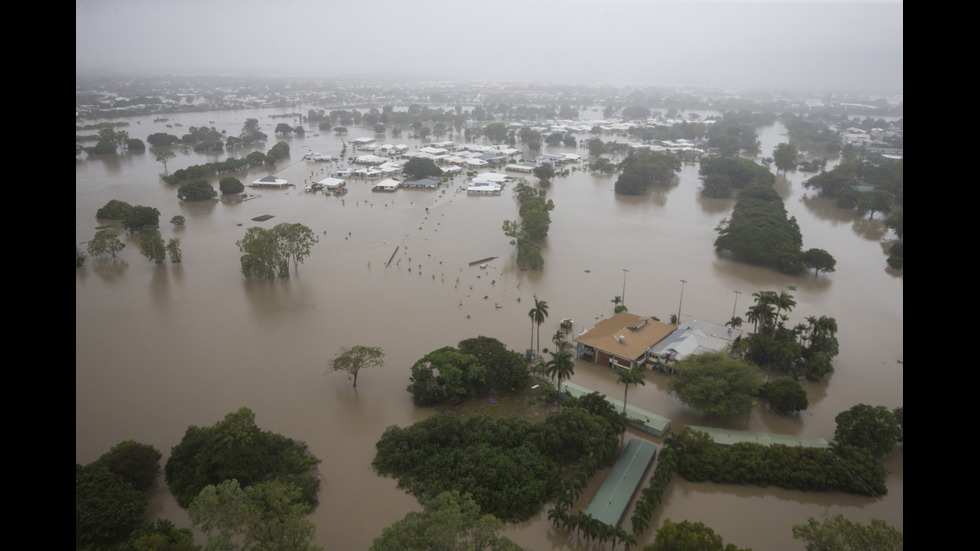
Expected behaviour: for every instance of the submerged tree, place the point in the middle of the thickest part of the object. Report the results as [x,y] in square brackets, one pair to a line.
[352,359]
[106,241]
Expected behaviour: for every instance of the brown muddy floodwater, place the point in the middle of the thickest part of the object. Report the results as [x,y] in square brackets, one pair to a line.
[160,348]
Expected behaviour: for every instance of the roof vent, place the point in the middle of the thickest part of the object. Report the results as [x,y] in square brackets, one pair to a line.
[621,339]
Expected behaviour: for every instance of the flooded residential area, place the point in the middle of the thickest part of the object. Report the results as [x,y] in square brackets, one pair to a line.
[413,269]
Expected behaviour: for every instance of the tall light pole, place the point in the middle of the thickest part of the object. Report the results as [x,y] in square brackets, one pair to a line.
[625,271]
[736,303]
[683,281]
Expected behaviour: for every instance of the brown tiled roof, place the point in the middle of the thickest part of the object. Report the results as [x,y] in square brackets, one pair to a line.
[626,335]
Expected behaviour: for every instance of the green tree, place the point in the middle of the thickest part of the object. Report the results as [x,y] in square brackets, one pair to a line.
[449,521]
[785,157]
[544,172]
[840,534]
[877,200]
[760,233]
[351,360]
[80,258]
[229,185]
[506,369]
[164,157]
[715,384]
[871,427]
[295,241]
[261,256]
[178,220]
[688,536]
[235,448]
[198,189]
[420,167]
[538,314]
[447,373]
[138,464]
[107,507]
[173,249]
[151,245]
[562,363]
[141,216]
[106,241]
[267,516]
[267,252]
[819,260]
[645,169]
[785,394]
[161,535]
[114,210]
[162,139]
[496,132]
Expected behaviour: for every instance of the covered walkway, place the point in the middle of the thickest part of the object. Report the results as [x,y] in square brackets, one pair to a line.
[619,486]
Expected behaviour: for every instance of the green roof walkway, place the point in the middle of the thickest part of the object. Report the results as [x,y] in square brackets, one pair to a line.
[617,489]
[639,418]
[727,437]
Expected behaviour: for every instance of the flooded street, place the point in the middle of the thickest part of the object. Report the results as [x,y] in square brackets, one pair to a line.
[162,348]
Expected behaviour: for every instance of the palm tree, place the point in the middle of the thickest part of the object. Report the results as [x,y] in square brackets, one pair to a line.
[632,376]
[532,313]
[561,364]
[540,313]
[782,301]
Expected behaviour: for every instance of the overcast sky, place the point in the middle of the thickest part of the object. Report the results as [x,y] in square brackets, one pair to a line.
[820,44]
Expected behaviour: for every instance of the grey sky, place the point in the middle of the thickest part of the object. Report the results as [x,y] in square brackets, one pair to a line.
[777,43]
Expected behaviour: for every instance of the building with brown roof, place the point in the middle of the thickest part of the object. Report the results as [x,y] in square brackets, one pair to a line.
[623,340]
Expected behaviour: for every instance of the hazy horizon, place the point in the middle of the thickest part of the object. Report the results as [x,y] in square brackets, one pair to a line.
[764,44]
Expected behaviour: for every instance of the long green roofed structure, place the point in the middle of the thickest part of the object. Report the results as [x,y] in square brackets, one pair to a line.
[617,490]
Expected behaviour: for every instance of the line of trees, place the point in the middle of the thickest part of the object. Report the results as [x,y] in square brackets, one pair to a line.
[720,175]
[528,233]
[840,468]
[759,232]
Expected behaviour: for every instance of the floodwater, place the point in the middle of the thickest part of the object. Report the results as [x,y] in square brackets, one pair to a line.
[162,348]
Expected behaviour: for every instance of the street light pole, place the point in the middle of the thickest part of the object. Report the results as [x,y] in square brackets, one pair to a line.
[683,281]
[736,303]
[625,271]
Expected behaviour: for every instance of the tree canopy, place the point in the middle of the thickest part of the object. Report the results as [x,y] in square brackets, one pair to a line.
[267,252]
[111,494]
[351,360]
[114,210]
[759,232]
[266,516]
[141,216]
[449,521]
[106,241]
[509,465]
[688,536]
[722,174]
[874,428]
[196,190]
[840,534]
[446,374]
[715,384]
[642,170]
[235,448]
[420,167]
